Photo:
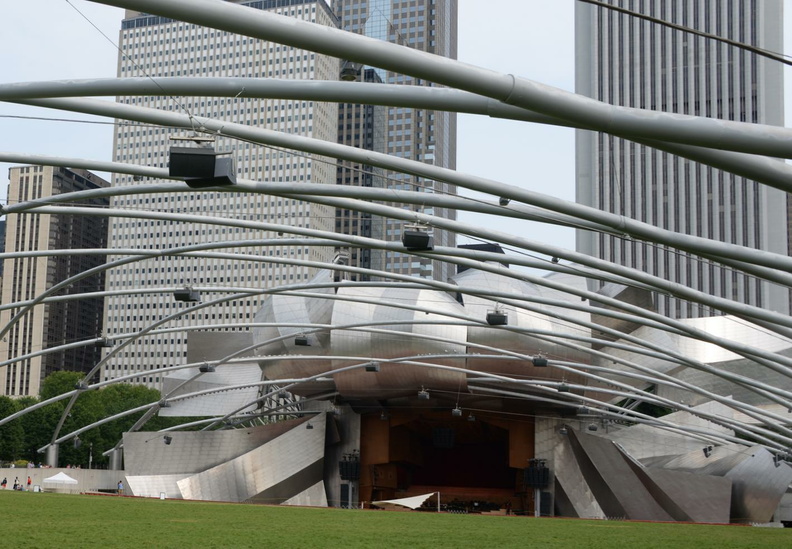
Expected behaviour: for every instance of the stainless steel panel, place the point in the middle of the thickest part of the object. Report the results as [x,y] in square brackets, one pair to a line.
[277,462]
[609,474]
[568,474]
[145,453]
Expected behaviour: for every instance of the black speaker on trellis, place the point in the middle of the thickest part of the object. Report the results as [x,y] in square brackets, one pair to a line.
[536,476]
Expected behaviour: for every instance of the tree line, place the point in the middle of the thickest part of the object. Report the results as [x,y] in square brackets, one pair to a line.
[21,438]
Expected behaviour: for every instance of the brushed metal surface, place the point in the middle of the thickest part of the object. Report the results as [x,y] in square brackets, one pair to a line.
[277,466]
[568,474]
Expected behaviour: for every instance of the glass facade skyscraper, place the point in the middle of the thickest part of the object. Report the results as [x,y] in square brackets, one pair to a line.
[422,135]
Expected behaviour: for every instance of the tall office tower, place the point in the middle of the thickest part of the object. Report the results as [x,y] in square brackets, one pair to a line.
[155,47]
[2,244]
[57,322]
[626,61]
[361,126]
[422,135]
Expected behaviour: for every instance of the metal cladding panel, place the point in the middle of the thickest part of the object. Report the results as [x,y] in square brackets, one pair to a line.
[267,333]
[720,461]
[284,467]
[320,310]
[759,486]
[211,345]
[395,379]
[315,496]
[478,308]
[145,453]
[651,335]
[573,281]
[644,441]
[153,486]
[290,309]
[352,342]
[609,474]
[689,497]
[731,328]
[570,477]
[744,367]
[739,331]
[215,404]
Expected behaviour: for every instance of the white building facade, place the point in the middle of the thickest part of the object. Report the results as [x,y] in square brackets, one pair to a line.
[623,60]
[159,47]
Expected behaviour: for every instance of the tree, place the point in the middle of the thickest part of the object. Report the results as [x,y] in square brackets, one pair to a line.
[58,383]
[12,437]
[20,439]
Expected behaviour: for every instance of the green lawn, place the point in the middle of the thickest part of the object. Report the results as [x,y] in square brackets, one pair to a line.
[30,520]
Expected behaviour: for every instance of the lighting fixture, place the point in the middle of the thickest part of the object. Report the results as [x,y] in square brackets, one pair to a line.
[497,318]
[103,343]
[201,167]
[417,240]
[539,361]
[187,295]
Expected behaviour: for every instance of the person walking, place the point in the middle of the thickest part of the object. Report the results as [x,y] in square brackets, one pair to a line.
[29,482]
[120,487]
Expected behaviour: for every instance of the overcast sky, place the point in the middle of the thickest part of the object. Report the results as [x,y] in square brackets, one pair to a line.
[50,40]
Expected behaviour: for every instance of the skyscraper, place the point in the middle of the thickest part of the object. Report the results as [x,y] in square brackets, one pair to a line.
[58,322]
[153,47]
[361,126]
[626,61]
[422,135]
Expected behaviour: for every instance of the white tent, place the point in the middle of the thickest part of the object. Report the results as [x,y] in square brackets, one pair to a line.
[60,478]
[411,503]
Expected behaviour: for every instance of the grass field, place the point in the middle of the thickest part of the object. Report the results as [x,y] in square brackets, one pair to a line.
[45,520]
